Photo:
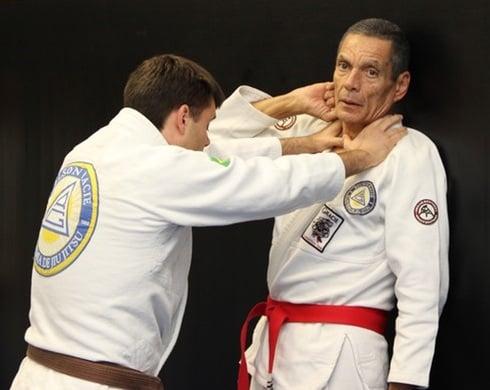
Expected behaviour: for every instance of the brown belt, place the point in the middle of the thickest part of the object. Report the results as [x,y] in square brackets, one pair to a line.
[99,372]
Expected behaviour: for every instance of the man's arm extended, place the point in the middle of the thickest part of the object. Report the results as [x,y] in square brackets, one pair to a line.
[316,100]
[242,116]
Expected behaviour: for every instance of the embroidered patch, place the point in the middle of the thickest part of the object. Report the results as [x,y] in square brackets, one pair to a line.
[286,123]
[222,161]
[426,212]
[360,198]
[69,220]
[322,229]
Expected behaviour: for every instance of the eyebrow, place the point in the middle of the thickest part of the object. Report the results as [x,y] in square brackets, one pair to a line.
[373,63]
[340,57]
[368,63]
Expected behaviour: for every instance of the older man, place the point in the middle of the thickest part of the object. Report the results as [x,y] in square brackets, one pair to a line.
[337,268]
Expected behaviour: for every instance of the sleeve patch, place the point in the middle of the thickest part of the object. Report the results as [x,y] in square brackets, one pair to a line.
[426,212]
[286,123]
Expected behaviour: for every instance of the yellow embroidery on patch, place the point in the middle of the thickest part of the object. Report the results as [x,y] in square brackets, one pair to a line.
[69,220]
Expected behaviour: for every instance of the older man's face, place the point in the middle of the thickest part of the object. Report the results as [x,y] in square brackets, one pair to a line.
[364,88]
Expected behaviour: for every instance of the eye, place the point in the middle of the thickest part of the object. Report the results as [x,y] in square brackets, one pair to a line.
[342,65]
[373,72]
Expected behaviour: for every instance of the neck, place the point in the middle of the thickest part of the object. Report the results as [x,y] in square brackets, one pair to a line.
[351,129]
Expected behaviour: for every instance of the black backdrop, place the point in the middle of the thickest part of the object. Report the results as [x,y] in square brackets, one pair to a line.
[63,66]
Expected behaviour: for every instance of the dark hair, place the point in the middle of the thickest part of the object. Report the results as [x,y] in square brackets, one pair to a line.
[163,83]
[384,29]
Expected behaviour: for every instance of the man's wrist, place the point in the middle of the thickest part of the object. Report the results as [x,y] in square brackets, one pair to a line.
[356,161]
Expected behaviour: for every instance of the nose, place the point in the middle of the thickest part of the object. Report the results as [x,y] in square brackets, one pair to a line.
[353,80]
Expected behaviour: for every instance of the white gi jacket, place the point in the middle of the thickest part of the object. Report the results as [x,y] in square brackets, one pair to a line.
[384,236]
[114,249]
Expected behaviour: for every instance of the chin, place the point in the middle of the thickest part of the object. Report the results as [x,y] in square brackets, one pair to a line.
[349,117]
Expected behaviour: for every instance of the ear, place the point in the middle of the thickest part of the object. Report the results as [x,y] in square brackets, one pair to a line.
[401,88]
[182,117]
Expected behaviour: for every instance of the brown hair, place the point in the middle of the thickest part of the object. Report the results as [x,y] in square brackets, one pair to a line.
[163,83]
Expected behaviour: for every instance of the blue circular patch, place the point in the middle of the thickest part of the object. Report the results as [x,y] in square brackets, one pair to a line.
[69,220]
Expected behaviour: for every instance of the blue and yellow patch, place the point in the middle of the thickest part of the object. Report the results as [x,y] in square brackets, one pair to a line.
[69,220]
[360,198]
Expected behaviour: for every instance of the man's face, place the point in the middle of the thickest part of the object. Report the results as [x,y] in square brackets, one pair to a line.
[364,89]
[197,130]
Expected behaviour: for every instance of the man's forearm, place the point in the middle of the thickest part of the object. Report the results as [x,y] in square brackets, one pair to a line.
[315,100]
[278,107]
[298,145]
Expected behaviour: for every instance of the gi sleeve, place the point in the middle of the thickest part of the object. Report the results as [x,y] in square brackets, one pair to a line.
[237,118]
[191,189]
[237,123]
[417,237]
[244,147]
[241,130]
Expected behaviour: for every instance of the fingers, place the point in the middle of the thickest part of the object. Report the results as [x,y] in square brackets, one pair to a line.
[329,91]
[334,128]
[385,122]
[389,121]
[330,102]
[396,134]
[329,116]
[347,141]
[329,86]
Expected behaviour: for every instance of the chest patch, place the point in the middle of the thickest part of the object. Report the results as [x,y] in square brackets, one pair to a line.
[360,198]
[286,123]
[322,229]
[69,220]
[426,212]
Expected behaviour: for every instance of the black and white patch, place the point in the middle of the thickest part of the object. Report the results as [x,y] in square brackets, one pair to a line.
[322,229]
[360,198]
[426,212]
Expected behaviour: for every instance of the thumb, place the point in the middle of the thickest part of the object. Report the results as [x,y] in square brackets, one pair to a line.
[347,141]
[336,142]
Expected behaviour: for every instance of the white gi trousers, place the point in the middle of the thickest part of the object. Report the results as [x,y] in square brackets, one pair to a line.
[345,375]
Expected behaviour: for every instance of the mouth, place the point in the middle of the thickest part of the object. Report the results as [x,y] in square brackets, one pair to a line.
[350,102]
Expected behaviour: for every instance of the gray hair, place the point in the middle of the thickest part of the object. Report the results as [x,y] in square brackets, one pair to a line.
[384,29]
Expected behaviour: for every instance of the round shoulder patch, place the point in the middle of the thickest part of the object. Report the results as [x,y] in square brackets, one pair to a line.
[285,123]
[360,198]
[69,220]
[426,212]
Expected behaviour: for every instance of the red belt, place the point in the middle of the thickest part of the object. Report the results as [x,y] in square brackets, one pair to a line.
[278,313]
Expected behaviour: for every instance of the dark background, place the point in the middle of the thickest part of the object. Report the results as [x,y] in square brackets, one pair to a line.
[63,66]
